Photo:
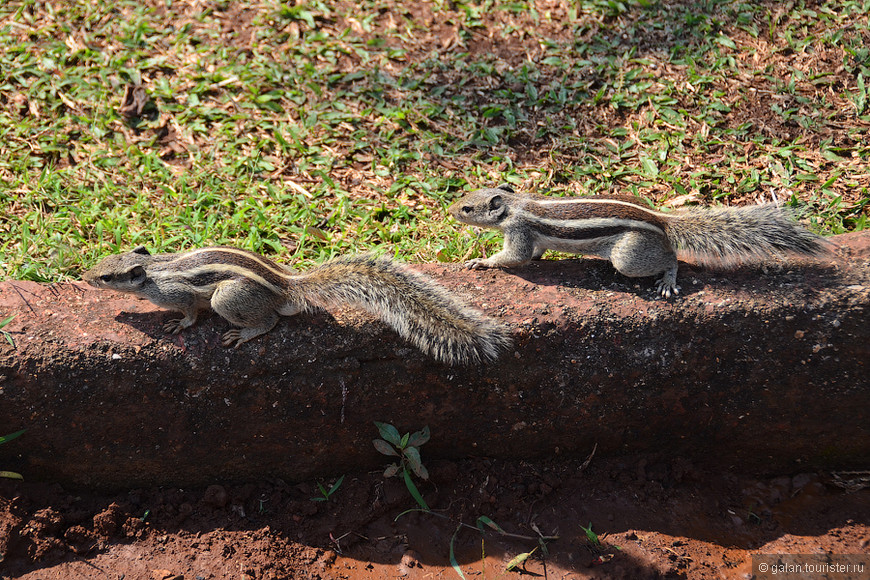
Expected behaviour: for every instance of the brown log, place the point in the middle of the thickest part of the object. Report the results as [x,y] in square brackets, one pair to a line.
[765,367]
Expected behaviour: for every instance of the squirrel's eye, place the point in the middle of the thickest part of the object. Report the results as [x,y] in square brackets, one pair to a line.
[466,209]
[106,277]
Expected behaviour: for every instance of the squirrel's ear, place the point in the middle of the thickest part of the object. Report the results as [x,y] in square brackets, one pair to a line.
[141,250]
[506,187]
[136,275]
[496,206]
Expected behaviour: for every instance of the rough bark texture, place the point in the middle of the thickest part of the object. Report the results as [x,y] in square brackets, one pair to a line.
[763,367]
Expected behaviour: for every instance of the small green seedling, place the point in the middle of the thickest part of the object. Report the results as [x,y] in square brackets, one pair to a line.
[326,493]
[485,521]
[6,438]
[5,333]
[591,536]
[754,518]
[597,547]
[519,560]
[407,448]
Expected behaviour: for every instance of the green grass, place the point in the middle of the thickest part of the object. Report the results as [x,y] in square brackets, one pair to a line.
[306,130]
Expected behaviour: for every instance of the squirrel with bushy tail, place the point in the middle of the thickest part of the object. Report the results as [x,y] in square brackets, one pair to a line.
[252,292]
[638,240]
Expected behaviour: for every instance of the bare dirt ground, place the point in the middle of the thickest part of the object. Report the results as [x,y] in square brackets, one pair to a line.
[654,517]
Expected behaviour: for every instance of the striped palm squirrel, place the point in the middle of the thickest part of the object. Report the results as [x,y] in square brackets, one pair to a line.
[251,292]
[637,240]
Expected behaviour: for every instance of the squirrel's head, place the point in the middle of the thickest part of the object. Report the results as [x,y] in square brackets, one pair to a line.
[121,272]
[483,207]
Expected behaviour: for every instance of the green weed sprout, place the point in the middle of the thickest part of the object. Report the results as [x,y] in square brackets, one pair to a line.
[591,536]
[5,333]
[595,545]
[4,439]
[407,448]
[519,560]
[326,493]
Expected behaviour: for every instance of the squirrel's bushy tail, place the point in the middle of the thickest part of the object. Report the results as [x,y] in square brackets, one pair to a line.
[728,235]
[419,309]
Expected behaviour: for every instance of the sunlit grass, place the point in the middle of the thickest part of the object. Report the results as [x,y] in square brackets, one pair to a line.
[310,130]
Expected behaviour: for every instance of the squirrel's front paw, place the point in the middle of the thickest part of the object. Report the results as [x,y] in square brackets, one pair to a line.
[666,289]
[476,264]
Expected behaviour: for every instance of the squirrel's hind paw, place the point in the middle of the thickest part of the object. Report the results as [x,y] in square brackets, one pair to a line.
[232,338]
